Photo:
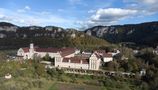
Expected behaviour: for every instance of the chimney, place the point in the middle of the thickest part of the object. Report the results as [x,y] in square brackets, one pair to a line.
[81,61]
[69,61]
[31,46]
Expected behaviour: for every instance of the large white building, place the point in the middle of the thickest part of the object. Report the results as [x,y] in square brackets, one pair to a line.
[31,52]
[66,57]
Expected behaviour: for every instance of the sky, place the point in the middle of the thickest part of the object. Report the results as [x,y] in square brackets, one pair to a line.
[77,13]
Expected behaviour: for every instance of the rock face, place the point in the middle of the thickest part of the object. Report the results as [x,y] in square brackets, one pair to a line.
[8,30]
[144,33]
[8,27]
[12,36]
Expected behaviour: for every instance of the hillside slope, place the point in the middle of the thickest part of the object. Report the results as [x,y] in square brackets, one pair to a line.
[143,34]
[12,36]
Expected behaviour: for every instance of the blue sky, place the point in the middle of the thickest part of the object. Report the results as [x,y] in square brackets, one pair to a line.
[78,13]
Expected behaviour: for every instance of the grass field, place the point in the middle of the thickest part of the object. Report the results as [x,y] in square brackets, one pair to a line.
[42,84]
[69,86]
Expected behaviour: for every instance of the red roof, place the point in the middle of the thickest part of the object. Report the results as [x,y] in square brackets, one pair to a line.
[63,51]
[85,61]
[55,50]
[67,51]
[26,49]
[107,55]
[76,60]
[66,59]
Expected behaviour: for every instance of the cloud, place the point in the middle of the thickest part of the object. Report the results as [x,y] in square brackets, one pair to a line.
[149,6]
[25,9]
[149,1]
[2,17]
[32,18]
[141,1]
[108,16]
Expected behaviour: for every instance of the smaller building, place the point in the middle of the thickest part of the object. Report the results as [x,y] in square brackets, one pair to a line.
[107,57]
[115,52]
[82,61]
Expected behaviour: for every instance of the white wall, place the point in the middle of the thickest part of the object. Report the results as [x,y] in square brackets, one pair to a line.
[73,65]
[94,62]
[71,55]
[107,59]
[20,52]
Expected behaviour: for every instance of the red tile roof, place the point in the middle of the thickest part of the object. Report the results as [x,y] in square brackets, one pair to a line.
[67,51]
[85,61]
[63,51]
[76,60]
[107,55]
[66,59]
[26,49]
[55,50]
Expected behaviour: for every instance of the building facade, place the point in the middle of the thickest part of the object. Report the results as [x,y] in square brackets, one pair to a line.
[66,57]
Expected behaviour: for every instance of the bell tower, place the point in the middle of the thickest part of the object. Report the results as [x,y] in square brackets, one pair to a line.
[31,46]
[31,50]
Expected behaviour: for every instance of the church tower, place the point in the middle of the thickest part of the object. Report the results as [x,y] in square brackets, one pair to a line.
[31,50]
